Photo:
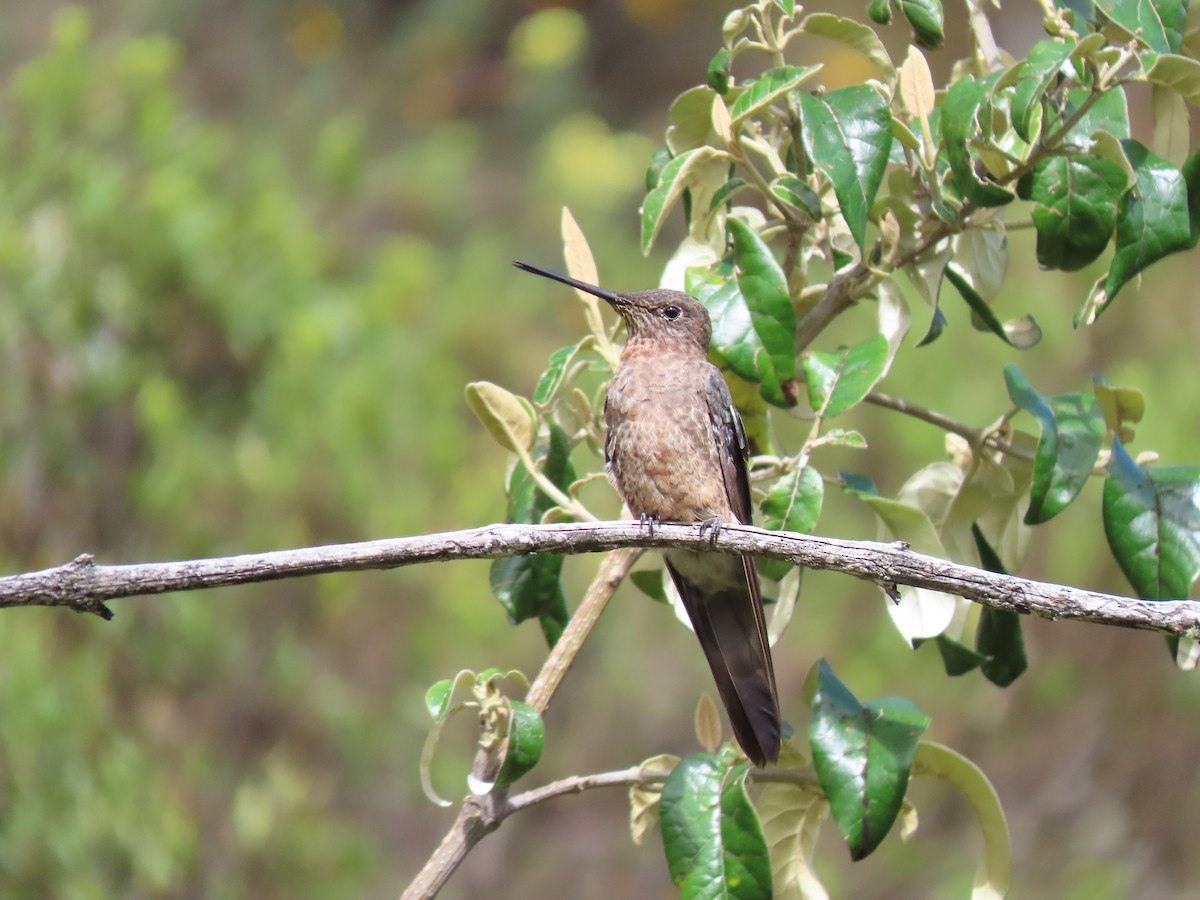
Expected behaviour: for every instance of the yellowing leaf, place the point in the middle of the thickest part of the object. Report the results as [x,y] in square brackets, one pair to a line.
[508,418]
[708,723]
[581,265]
[994,874]
[791,817]
[916,85]
[643,799]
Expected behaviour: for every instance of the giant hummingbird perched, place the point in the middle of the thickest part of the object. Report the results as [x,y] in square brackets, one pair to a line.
[676,452]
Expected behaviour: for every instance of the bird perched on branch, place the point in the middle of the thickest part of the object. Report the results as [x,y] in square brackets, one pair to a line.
[676,452]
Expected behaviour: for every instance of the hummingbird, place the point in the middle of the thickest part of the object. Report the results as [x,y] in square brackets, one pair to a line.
[675,450]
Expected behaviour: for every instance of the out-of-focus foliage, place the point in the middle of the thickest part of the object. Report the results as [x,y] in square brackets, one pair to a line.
[216,337]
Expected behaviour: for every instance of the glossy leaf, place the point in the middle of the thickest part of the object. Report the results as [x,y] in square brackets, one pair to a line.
[1037,75]
[796,193]
[998,638]
[529,586]
[718,71]
[848,136]
[1152,521]
[880,11]
[839,380]
[674,179]
[767,88]
[735,343]
[960,112]
[1109,114]
[556,371]
[1159,23]
[522,748]
[761,281]
[437,698]
[982,313]
[1072,434]
[862,754]
[925,17]
[1153,218]
[711,834]
[1075,209]
[793,503]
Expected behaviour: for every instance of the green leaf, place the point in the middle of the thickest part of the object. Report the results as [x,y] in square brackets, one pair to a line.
[650,583]
[880,11]
[793,502]
[983,312]
[1153,218]
[788,7]
[862,754]
[960,123]
[998,638]
[522,748]
[794,192]
[711,835]
[529,586]
[993,876]
[767,88]
[854,35]
[1152,521]
[1109,114]
[718,71]
[1037,75]
[1159,23]
[762,283]
[735,343]
[676,176]
[957,658]
[848,136]
[1072,433]
[839,380]
[925,17]
[1075,209]
[437,698]
[556,371]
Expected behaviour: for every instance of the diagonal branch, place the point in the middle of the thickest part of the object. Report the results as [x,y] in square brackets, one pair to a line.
[83,586]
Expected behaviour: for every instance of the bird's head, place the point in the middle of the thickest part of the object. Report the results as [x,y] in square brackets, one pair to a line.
[660,318]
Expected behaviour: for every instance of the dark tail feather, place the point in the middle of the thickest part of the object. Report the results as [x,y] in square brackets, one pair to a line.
[733,634]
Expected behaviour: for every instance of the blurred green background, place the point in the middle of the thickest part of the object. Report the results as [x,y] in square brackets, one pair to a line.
[249,256]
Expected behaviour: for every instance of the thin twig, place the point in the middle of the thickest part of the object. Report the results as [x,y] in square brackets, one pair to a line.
[84,586]
[479,816]
[974,436]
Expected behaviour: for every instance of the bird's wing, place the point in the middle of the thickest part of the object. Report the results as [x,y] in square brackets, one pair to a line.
[730,435]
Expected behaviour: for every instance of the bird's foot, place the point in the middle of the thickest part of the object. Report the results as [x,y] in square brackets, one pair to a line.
[713,526]
[649,523]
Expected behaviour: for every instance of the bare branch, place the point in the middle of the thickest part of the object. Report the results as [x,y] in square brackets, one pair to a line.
[84,586]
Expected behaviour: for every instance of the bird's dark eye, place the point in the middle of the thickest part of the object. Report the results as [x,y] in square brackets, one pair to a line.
[672,312]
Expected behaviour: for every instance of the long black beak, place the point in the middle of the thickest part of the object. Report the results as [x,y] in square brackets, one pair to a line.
[602,293]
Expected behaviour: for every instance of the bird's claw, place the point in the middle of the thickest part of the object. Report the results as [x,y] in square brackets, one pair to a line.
[649,523]
[713,525]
